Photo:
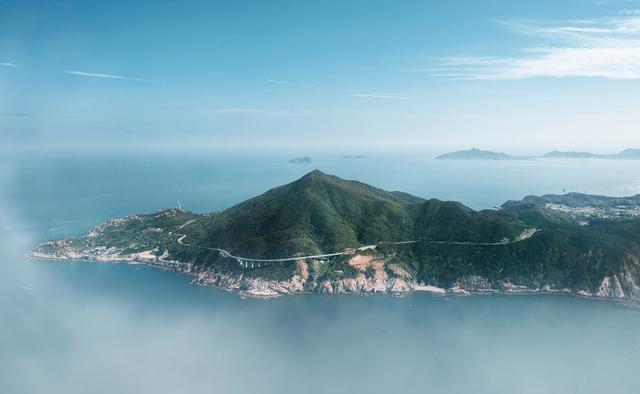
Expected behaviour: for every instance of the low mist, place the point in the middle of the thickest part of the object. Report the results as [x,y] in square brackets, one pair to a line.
[80,327]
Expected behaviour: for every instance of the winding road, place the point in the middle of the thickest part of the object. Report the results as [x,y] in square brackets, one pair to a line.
[245,261]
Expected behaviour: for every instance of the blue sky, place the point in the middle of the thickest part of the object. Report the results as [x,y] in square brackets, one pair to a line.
[524,76]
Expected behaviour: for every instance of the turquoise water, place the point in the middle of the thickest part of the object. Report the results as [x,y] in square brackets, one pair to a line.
[79,328]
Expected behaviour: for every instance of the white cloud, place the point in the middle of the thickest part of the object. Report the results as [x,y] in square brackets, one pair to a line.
[601,48]
[98,75]
[380,95]
[7,64]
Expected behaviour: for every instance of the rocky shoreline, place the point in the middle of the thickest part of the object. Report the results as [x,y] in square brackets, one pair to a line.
[612,288]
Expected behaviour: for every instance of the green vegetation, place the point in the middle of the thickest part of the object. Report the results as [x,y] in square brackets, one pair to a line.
[320,213]
[138,233]
[315,214]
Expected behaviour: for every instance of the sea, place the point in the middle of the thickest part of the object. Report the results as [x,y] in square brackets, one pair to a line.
[102,328]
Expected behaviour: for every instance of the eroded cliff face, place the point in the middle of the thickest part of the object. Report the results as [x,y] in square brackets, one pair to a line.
[624,285]
[258,287]
[302,282]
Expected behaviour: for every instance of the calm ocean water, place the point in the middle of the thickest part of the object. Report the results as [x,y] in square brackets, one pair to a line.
[87,328]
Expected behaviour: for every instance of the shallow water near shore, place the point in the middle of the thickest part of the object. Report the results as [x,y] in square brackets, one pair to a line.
[101,328]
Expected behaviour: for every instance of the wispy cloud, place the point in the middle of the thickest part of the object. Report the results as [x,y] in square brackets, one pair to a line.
[278,81]
[245,110]
[7,64]
[99,75]
[392,96]
[15,115]
[600,47]
[269,112]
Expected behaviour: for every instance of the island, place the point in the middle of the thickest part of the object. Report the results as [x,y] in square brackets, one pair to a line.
[569,155]
[325,234]
[301,160]
[475,154]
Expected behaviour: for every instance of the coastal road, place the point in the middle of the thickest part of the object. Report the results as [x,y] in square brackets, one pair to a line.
[245,261]
[242,260]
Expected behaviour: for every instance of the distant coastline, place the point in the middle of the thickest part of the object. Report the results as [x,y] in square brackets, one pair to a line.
[478,154]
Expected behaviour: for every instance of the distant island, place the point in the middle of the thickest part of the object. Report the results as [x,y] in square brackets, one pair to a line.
[624,155]
[324,234]
[301,160]
[477,154]
[569,155]
[352,157]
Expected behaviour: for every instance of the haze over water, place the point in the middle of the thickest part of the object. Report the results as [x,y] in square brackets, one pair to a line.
[79,328]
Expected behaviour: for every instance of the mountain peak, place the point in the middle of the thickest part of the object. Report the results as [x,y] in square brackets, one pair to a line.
[315,173]
[315,176]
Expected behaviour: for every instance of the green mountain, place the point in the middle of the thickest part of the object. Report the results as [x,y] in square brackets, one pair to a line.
[324,233]
[320,213]
[316,214]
